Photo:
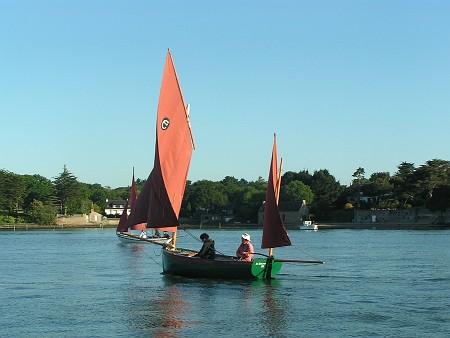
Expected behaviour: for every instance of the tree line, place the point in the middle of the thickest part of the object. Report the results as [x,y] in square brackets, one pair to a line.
[34,198]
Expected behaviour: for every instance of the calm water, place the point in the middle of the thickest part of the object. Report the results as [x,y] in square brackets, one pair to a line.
[84,283]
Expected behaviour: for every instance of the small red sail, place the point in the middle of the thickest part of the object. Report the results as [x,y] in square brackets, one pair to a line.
[159,202]
[139,211]
[123,221]
[133,196]
[123,226]
[274,232]
[133,192]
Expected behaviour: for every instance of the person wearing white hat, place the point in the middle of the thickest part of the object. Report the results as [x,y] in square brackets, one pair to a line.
[245,250]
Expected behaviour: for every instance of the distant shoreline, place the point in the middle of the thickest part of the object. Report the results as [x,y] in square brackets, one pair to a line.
[327,226]
[383,226]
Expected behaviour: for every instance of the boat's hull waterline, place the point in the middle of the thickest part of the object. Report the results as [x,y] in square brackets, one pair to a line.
[178,263]
[133,239]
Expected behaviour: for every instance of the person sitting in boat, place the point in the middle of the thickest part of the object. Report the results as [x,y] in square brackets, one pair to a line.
[143,234]
[208,250]
[245,250]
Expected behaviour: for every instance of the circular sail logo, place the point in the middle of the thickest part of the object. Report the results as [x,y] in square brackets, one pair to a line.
[165,123]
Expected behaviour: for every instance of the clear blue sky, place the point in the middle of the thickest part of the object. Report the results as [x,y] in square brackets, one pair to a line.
[343,84]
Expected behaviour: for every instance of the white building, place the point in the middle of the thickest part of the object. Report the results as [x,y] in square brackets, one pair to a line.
[115,208]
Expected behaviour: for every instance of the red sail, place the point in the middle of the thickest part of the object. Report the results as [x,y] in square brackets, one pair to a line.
[133,196]
[274,232]
[123,221]
[139,211]
[123,226]
[159,203]
[133,192]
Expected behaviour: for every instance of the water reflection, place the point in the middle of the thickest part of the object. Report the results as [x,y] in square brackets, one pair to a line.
[168,313]
[274,303]
[168,306]
[152,305]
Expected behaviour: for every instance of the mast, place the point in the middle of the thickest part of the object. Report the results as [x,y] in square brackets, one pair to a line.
[279,180]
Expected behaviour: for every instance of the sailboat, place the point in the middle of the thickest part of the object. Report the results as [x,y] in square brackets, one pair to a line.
[180,262]
[159,203]
[125,233]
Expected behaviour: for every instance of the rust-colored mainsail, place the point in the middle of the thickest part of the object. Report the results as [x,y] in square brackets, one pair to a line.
[159,202]
[274,232]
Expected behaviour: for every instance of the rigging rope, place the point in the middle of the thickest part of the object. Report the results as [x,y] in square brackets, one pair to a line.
[187,231]
[198,240]
[154,260]
[255,253]
[304,252]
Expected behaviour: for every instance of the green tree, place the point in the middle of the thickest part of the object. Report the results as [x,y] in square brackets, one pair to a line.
[13,187]
[66,186]
[358,181]
[98,196]
[440,201]
[252,199]
[303,176]
[359,174]
[326,191]
[43,214]
[380,188]
[208,195]
[234,190]
[4,177]
[296,191]
[434,174]
[38,188]
[79,201]
[187,210]
[403,186]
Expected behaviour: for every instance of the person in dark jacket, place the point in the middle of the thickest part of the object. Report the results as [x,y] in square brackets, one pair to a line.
[208,250]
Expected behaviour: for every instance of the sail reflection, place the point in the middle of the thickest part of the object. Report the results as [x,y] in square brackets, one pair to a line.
[156,312]
[169,311]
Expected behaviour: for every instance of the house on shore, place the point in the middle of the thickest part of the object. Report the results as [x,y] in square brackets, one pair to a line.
[114,208]
[289,211]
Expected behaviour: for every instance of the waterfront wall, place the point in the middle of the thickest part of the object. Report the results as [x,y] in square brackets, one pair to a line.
[404,216]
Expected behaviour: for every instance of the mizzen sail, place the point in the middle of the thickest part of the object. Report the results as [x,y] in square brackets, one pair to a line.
[274,232]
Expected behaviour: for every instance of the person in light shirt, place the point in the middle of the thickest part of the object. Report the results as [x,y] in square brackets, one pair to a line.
[245,250]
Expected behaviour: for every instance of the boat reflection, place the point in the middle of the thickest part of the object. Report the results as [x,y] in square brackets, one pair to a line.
[156,312]
[168,314]
[273,302]
[170,306]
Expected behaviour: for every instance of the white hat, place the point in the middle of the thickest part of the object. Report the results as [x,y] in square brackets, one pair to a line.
[246,236]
